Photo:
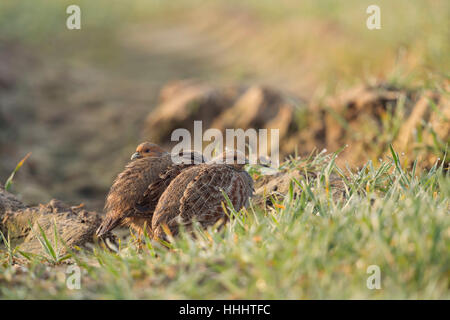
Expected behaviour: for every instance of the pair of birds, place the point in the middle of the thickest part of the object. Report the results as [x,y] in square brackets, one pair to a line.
[157,195]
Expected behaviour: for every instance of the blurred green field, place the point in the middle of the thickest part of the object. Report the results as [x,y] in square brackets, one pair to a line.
[296,44]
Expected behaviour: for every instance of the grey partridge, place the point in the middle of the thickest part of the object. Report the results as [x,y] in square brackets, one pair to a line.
[127,203]
[196,194]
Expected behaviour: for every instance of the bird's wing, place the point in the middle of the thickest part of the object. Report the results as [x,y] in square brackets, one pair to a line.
[167,208]
[203,197]
[147,204]
[128,187]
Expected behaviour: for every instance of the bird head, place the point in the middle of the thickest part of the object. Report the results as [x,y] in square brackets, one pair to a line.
[147,149]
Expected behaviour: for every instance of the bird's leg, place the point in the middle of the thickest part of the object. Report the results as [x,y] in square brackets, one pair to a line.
[144,233]
[139,241]
[136,234]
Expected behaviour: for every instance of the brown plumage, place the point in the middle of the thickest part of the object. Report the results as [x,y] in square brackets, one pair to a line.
[128,203]
[154,191]
[147,163]
[196,193]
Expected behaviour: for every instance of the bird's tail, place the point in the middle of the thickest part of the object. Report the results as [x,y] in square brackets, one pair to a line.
[107,225]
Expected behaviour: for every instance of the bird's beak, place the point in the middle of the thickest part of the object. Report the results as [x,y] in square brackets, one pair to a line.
[136,155]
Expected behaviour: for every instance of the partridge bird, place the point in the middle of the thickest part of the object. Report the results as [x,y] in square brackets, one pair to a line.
[128,203]
[196,193]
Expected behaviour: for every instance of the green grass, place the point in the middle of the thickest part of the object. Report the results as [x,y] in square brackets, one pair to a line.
[9,182]
[315,243]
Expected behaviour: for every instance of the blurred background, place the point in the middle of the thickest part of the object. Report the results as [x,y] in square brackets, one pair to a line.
[81,100]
